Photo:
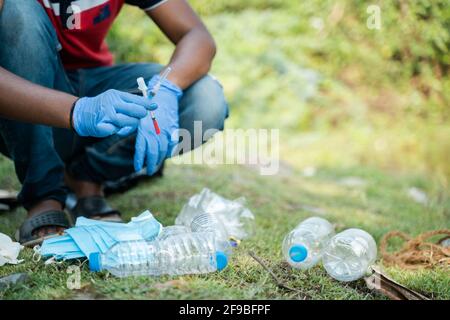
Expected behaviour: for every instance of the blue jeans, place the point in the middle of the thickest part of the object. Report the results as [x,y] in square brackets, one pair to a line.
[30,49]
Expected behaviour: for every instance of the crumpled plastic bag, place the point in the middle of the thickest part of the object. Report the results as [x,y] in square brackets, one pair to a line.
[9,250]
[89,236]
[236,218]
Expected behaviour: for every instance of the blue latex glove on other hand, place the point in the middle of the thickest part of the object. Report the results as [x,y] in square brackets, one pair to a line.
[152,149]
[111,112]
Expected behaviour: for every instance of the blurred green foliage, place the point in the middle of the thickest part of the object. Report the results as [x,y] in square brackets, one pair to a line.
[382,98]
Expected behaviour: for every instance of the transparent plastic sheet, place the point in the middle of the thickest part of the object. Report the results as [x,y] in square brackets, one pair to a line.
[236,218]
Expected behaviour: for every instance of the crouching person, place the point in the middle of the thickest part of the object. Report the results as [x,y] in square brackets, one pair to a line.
[69,118]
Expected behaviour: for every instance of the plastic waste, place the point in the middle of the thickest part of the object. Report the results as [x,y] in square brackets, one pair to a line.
[418,195]
[353,182]
[170,231]
[89,236]
[446,243]
[206,222]
[9,250]
[188,253]
[303,247]
[237,220]
[349,255]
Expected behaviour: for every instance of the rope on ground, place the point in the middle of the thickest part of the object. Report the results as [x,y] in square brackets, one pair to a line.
[416,252]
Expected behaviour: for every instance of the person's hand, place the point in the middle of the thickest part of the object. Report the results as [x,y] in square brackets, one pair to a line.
[111,112]
[151,149]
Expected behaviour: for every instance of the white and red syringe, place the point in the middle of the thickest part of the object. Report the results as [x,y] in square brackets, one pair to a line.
[143,88]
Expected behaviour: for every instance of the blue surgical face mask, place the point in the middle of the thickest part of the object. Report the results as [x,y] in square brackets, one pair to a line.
[62,247]
[101,238]
[89,236]
[87,243]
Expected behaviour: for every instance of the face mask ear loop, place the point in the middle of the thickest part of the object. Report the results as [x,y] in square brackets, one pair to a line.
[83,262]
[50,261]
[53,260]
[36,255]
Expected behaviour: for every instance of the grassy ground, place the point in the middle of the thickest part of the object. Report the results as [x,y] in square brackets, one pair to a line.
[278,204]
[379,112]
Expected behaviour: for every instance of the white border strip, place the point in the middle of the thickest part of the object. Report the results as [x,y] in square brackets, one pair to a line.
[155,5]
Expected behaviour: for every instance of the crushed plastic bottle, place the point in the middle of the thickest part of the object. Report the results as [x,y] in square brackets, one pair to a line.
[238,221]
[303,247]
[349,255]
[189,253]
[170,231]
[206,222]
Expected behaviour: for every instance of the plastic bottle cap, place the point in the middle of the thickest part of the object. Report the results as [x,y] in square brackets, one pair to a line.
[221,260]
[94,262]
[298,253]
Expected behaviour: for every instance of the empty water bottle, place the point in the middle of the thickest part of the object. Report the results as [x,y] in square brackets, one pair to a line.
[188,253]
[236,218]
[206,222]
[303,246]
[170,231]
[350,254]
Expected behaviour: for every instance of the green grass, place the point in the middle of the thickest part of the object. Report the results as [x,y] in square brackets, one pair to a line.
[380,112]
[278,203]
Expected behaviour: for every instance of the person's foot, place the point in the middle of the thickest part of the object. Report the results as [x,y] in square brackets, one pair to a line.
[43,206]
[83,189]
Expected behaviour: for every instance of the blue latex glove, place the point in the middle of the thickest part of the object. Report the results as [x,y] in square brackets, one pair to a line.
[151,149]
[112,112]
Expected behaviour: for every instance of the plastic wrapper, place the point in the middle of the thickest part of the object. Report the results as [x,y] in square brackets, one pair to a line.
[236,218]
[9,250]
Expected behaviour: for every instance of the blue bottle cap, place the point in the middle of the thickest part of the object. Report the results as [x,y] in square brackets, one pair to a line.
[298,253]
[94,262]
[221,260]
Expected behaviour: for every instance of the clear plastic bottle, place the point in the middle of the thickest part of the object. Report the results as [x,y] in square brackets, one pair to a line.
[206,222]
[350,254]
[189,253]
[170,231]
[238,220]
[303,247]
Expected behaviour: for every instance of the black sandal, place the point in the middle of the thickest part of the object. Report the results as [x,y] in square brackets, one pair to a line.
[95,207]
[52,218]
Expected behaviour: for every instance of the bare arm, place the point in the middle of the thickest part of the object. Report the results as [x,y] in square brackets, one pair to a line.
[25,101]
[195,47]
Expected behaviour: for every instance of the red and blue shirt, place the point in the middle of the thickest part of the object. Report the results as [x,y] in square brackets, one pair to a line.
[82,26]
